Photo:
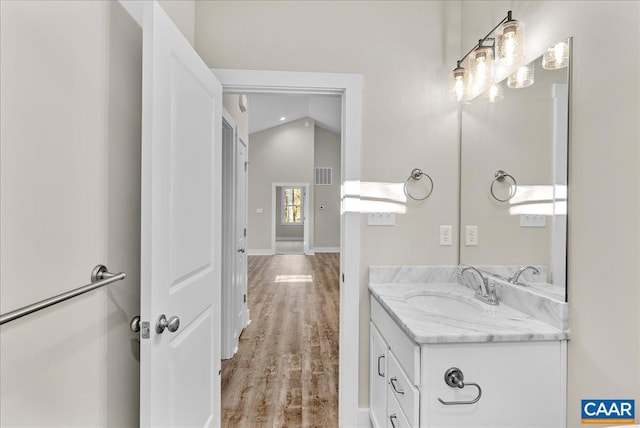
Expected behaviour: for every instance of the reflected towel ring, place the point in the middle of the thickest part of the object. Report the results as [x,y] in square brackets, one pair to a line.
[500,177]
[417,175]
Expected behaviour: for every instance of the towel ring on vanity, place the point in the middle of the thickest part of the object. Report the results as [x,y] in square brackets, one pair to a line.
[417,175]
[455,379]
[500,176]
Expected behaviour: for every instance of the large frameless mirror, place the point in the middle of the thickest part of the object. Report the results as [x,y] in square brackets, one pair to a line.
[513,174]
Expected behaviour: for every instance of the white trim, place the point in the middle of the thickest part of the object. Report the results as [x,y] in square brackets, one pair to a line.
[326,250]
[305,220]
[350,87]
[261,252]
[364,420]
[289,238]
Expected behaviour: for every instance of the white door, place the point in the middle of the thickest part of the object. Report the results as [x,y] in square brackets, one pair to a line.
[241,312]
[180,248]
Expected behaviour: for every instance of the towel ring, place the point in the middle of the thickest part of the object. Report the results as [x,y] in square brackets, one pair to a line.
[417,175]
[500,177]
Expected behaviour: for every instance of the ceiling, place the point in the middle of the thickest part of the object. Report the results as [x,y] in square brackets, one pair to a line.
[266,110]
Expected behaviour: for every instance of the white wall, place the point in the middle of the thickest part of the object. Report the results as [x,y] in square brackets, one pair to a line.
[70,178]
[327,221]
[603,269]
[405,51]
[282,154]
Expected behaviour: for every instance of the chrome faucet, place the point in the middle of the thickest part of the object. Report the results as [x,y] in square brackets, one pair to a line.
[516,276]
[486,293]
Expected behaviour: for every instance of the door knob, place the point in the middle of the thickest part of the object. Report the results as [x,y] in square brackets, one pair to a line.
[173,324]
[134,325]
[241,250]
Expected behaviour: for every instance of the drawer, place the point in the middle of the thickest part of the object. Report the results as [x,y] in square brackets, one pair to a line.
[395,416]
[403,390]
[406,351]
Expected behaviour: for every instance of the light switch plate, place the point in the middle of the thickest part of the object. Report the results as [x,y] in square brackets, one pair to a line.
[259,210]
[471,236]
[533,220]
[381,219]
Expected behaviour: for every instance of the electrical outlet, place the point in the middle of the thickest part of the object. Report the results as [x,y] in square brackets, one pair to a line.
[471,237]
[446,232]
[381,219]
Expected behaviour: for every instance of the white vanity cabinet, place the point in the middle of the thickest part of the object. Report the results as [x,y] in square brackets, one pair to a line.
[523,382]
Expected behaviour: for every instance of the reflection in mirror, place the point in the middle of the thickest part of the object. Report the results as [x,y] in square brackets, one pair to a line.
[513,177]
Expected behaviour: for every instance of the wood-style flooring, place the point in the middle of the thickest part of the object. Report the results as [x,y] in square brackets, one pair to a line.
[285,373]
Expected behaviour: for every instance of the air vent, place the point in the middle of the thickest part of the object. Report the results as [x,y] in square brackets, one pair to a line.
[323,176]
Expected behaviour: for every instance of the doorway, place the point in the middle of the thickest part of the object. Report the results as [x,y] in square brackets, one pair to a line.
[349,87]
[289,223]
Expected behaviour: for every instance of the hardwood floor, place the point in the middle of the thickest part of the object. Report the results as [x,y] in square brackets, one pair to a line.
[285,372]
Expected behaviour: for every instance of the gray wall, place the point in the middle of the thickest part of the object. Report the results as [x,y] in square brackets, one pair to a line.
[283,154]
[327,221]
[70,178]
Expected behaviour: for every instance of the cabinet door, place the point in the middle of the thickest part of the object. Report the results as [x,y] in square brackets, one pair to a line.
[377,377]
[521,385]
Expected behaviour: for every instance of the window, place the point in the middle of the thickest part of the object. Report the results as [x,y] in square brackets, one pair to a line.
[292,205]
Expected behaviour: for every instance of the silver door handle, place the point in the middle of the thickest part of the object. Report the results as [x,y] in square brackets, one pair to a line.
[134,325]
[380,358]
[173,324]
[241,250]
[391,418]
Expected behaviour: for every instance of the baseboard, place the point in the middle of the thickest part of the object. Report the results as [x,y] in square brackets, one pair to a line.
[326,249]
[261,252]
[363,417]
[289,238]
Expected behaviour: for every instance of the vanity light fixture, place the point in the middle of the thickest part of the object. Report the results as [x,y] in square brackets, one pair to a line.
[495,93]
[523,77]
[556,57]
[510,41]
[507,48]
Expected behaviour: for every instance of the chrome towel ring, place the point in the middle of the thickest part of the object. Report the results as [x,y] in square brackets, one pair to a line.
[417,175]
[500,176]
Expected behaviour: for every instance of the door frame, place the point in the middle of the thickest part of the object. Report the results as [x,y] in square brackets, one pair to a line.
[349,86]
[305,218]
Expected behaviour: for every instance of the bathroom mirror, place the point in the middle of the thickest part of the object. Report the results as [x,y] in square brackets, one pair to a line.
[513,176]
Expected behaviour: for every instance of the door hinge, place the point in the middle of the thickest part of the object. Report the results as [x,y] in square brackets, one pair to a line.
[245,298]
[145,329]
[245,232]
[343,277]
[246,166]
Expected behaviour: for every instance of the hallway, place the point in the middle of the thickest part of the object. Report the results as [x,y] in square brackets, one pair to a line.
[286,370]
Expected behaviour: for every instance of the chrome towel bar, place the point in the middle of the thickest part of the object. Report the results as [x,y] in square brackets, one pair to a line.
[99,278]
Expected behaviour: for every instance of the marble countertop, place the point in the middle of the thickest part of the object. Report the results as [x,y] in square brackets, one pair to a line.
[482,323]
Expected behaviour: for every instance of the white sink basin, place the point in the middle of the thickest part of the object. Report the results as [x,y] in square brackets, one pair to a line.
[443,304]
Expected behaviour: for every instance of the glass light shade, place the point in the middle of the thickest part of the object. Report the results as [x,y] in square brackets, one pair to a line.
[458,84]
[510,43]
[481,68]
[495,93]
[523,77]
[556,57]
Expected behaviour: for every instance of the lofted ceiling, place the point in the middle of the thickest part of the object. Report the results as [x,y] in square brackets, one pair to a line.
[266,110]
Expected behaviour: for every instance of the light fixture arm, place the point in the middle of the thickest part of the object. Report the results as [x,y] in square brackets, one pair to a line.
[482,40]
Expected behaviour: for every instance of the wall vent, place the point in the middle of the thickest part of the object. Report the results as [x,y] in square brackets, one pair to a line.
[323,176]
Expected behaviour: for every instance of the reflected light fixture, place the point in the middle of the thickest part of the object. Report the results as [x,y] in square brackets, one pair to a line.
[495,93]
[283,118]
[556,57]
[523,77]
[507,47]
